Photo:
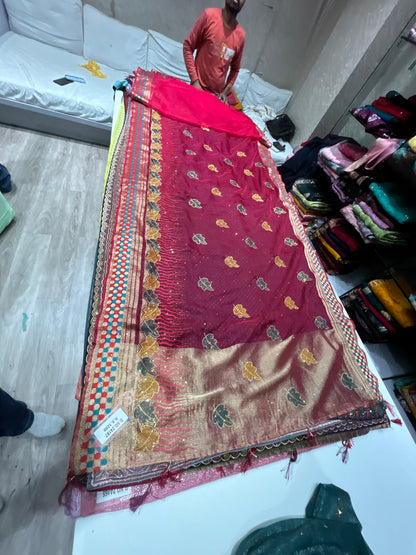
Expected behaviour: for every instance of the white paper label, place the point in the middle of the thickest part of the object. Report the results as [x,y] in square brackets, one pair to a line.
[110,426]
[106,495]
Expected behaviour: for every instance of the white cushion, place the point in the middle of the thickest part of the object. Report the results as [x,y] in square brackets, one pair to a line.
[166,55]
[241,83]
[54,22]
[261,92]
[28,69]
[110,42]
[4,24]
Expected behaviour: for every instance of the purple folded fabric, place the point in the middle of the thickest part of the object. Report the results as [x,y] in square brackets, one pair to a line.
[362,230]
[372,122]
[367,209]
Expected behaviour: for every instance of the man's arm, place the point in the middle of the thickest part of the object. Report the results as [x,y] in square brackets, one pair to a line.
[190,44]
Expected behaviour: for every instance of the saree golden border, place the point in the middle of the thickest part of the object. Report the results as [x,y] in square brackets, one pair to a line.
[213,325]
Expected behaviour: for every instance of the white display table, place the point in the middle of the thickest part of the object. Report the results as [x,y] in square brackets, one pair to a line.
[212,518]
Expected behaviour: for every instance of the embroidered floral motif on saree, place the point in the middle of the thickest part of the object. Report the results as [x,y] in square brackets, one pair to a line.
[213,326]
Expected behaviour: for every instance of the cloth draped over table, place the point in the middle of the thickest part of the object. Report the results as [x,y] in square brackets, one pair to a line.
[212,323]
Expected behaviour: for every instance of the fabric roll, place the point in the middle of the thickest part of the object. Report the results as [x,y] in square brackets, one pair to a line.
[375,312]
[394,300]
[382,103]
[372,122]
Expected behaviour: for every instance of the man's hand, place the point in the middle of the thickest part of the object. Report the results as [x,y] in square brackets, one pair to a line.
[223,98]
[197,85]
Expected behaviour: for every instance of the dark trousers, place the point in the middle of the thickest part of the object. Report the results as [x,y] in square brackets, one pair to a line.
[15,417]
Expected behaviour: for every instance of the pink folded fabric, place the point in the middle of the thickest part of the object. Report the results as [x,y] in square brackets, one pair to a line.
[352,151]
[381,149]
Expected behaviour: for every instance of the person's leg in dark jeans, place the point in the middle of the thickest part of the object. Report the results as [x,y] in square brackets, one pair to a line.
[15,416]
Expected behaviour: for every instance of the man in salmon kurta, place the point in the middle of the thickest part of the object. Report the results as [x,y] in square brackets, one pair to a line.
[219,40]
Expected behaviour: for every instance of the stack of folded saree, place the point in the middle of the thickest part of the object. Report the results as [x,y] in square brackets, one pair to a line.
[334,159]
[336,243]
[388,116]
[310,198]
[215,342]
[380,308]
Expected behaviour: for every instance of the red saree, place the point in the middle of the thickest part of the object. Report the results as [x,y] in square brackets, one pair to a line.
[213,326]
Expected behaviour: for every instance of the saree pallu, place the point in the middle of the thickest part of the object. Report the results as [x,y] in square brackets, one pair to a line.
[213,326]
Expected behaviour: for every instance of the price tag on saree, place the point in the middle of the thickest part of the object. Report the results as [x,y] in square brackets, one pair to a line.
[110,426]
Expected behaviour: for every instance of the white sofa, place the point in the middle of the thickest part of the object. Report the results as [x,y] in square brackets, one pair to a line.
[43,41]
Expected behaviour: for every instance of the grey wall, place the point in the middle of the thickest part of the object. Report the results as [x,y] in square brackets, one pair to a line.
[322,50]
[358,42]
[282,36]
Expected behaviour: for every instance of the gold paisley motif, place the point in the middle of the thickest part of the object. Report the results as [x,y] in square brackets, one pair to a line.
[146,440]
[221,223]
[307,357]
[151,282]
[279,262]
[266,226]
[148,347]
[215,191]
[257,198]
[212,168]
[231,263]
[206,128]
[152,233]
[207,147]
[250,372]
[154,197]
[148,389]
[248,172]
[152,256]
[151,312]
[153,215]
[241,154]
[240,311]
[290,303]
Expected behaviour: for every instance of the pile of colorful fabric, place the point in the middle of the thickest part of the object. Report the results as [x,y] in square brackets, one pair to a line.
[389,116]
[310,199]
[215,342]
[380,308]
[336,243]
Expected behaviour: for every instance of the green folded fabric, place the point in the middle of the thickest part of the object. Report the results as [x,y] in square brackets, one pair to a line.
[382,235]
[6,213]
[396,201]
[330,527]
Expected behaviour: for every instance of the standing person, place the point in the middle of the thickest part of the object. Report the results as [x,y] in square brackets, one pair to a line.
[219,40]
